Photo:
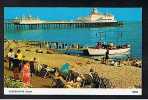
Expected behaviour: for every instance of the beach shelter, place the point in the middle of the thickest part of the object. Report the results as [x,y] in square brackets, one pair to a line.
[64,69]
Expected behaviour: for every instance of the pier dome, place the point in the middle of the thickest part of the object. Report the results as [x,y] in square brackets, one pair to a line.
[94,11]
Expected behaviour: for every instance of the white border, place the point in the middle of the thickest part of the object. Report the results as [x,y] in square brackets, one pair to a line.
[70,91]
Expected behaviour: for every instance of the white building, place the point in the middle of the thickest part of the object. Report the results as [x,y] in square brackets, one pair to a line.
[27,20]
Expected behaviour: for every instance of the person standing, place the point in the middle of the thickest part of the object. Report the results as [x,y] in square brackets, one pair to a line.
[19,57]
[26,74]
[32,66]
[15,68]
[10,58]
[107,56]
[19,54]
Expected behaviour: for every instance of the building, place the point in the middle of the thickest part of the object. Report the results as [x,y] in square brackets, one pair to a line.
[27,20]
[96,16]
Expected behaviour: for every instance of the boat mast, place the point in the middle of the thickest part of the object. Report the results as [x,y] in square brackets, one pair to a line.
[101,39]
[121,37]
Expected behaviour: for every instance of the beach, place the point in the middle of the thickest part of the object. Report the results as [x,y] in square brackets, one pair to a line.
[125,76]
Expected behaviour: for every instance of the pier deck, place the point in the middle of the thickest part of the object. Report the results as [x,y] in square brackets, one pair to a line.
[58,24]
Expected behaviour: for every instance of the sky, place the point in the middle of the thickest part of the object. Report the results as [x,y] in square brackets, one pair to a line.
[70,13]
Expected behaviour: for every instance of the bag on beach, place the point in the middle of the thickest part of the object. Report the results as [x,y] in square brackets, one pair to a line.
[43,72]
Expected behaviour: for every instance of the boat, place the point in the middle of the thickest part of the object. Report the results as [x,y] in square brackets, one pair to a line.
[101,51]
[101,48]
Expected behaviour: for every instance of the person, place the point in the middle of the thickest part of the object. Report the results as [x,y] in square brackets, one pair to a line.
[37,67]
[128,60]
[91,71]
[107,56]
[10,58]
[59,81]
[32,66]
[19,54]
[15,68]
[72,75]
[19,57]
[43,72]
[99,45]
[26,74]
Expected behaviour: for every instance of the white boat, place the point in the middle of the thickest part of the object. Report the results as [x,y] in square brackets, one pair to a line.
[101,51]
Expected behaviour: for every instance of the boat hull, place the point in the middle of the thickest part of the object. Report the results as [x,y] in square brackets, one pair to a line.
[93,51]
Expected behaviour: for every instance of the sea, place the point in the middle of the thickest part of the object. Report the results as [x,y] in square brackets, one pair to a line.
[129,33]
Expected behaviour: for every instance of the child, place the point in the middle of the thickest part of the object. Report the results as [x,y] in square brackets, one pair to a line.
[26,74]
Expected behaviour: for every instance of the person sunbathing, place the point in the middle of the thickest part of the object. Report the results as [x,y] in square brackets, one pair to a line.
[59,82]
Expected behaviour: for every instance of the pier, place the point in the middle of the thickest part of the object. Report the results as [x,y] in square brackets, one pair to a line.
[93,20]
[53,25]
